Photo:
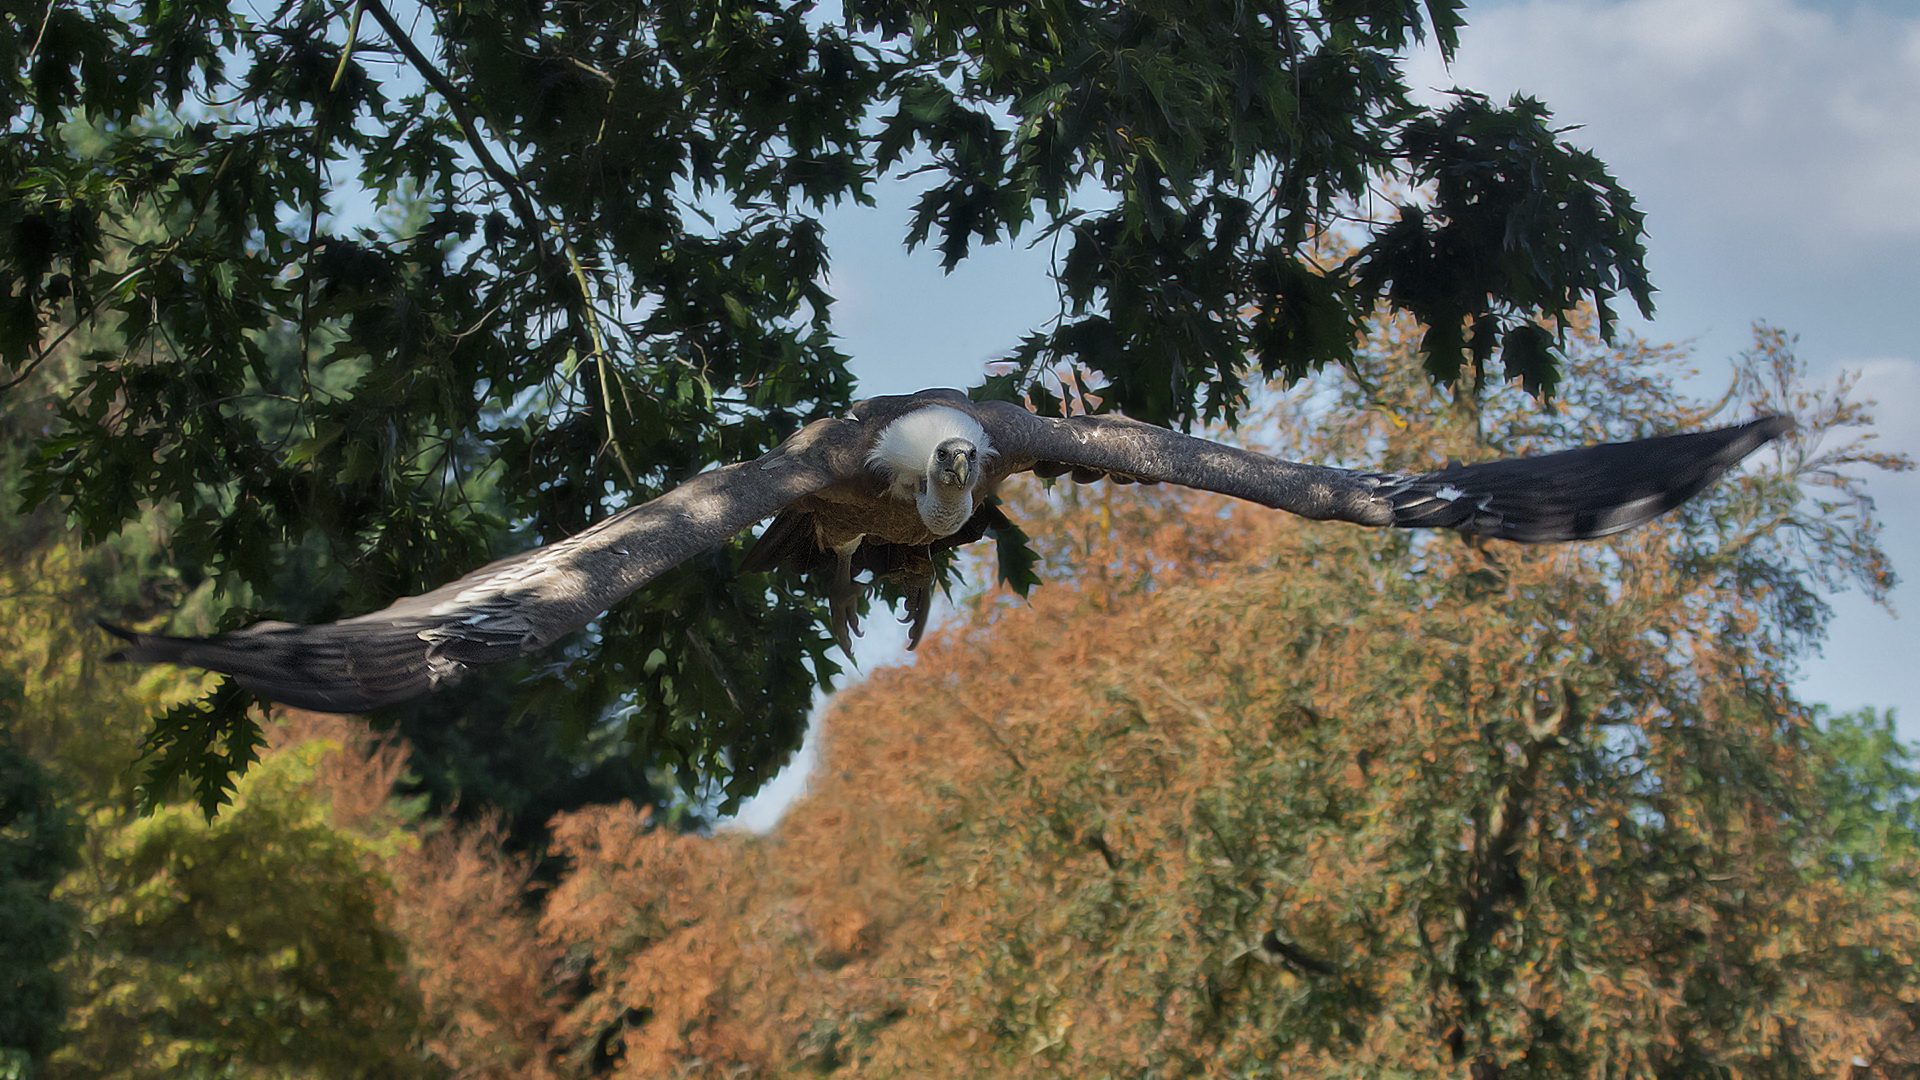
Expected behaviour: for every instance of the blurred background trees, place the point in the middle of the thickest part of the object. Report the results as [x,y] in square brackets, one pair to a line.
[249,945]
[37,839]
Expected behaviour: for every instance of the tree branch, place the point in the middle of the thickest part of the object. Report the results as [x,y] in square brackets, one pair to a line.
[523,207]
[517,198]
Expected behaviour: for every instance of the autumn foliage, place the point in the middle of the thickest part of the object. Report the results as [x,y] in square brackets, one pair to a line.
[1233,795]
[1249,796]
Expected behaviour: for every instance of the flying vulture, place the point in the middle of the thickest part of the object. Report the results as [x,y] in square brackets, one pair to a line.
[881,489]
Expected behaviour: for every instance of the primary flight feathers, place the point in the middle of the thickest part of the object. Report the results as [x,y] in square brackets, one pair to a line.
[879,491]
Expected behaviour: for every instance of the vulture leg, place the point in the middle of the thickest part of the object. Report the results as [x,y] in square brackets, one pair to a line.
[912,570]
[843,596]
[919,603]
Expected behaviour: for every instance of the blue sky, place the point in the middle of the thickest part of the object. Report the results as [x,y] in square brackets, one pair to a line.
[1775,146]
[1776,149]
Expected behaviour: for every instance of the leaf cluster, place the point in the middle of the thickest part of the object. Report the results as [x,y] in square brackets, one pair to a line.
[366,302]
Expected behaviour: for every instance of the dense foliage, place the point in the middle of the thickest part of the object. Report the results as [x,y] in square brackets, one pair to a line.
[359,298]
[1244,796]
[1257,797]
[250,945]
[36,848]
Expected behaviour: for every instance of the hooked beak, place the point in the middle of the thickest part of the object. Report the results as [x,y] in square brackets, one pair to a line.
[959,468]
[953,464]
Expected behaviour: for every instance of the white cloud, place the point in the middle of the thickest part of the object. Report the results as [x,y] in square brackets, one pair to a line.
[1799,121]
[1775,147]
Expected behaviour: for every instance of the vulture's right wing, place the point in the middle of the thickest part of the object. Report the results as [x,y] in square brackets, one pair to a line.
[516,605]
[1570,495]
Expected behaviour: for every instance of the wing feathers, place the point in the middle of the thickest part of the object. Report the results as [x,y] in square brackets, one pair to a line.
[340,667]
[516,605]
[1576,494]
[1571,495]
[1103,445]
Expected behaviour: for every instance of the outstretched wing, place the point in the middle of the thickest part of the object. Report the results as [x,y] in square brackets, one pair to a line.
[1570,495]
[517,605]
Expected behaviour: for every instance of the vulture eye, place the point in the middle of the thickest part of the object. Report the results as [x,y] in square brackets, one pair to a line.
[941,454]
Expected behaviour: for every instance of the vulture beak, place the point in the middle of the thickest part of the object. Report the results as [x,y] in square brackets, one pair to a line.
[953,463]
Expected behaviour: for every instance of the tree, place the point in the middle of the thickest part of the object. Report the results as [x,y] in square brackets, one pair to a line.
[1319,802]
[257,945]
[36,848]
[84,718]
[614,275]
[1872,796]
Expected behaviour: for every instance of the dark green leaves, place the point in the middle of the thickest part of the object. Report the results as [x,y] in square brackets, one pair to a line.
[360,304]
[1192,156]
[1520,226]
[204,744]
[37,848]
[1018,562]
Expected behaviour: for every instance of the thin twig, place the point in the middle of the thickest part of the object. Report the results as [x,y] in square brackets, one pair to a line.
[346,50]
[599,360]
[83,320]
[462,114]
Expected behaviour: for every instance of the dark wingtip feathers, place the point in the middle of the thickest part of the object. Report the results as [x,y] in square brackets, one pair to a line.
[1578,494]
[118,656]
[325,669]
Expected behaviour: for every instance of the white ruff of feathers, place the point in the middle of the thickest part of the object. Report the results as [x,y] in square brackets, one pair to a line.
[904,455]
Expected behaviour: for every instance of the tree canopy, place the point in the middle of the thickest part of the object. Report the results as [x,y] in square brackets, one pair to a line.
[1244,795]
[1256,797]
[357,297]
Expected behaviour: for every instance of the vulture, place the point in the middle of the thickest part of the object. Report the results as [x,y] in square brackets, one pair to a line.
[878,492]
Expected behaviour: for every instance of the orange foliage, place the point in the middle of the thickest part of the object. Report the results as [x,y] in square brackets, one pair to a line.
[484,975]
[460,906]
[1198,833]
[1247,796]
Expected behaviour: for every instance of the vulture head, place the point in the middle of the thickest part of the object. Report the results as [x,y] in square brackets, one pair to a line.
[934,457]
[953,464]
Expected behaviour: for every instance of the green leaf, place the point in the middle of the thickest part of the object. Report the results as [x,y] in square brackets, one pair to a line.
[1018,562]
[207,743]
[324,434]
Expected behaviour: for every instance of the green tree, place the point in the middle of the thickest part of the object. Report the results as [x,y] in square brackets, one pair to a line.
[36,848]
[1872,795]
[615,279]
[255,945]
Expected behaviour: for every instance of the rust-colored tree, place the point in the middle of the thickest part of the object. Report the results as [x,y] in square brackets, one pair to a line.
[1246,796]
[1253,797]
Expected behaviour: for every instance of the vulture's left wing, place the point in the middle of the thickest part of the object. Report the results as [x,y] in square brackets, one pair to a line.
[517,605]
[1569,495]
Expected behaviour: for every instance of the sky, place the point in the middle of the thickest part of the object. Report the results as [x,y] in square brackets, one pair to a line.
[1775,148]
